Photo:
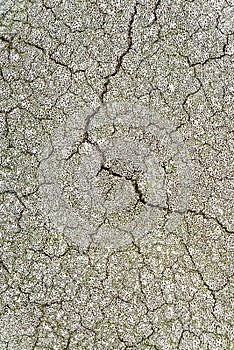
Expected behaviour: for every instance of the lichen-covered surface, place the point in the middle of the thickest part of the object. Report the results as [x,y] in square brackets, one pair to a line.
[116,182]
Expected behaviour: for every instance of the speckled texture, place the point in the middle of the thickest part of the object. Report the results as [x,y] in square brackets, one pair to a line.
[116,182]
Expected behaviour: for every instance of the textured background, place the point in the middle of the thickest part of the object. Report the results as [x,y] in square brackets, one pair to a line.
[116,182]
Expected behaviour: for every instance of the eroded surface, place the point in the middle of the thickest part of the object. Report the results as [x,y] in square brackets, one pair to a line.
[116,177]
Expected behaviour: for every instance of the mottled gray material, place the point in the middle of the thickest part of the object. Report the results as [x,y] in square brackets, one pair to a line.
[117,175]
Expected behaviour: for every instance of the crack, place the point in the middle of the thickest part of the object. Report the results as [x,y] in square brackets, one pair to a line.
[209,217]
[198,271]
[140,195]
[212,58]
[218,23]
[134,182]
[107,78]
[189,95]
[19,217]
[8,43]
[3,265]
[182,335]
[9,191]
[211,290]
[7,126]
[121,57]
[157,4]
[86,139]
[50,56]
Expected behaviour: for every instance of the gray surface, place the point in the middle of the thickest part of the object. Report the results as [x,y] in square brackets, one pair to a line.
[116,183]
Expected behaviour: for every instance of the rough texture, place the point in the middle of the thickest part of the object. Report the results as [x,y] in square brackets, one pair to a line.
[116,182]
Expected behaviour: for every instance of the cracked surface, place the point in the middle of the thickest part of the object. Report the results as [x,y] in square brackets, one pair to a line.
[116,182]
